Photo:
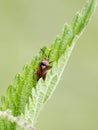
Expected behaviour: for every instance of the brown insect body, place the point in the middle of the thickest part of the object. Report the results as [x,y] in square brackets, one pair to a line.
[44,67]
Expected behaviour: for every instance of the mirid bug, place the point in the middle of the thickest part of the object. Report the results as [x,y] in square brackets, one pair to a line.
[43,68]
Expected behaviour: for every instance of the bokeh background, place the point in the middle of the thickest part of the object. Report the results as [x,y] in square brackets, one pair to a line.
[28,25]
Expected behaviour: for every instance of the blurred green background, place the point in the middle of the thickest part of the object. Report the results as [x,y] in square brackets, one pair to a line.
[28,25]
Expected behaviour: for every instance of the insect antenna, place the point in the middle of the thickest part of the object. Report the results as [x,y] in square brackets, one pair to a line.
[51,61]
[43,52]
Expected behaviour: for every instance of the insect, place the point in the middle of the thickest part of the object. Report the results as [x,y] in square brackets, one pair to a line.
[44,67]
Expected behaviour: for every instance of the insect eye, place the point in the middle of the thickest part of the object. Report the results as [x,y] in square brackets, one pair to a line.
[42,64]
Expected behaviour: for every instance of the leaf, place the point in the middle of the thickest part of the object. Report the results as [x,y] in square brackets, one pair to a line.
[20,123]
[59,52]
[27,96]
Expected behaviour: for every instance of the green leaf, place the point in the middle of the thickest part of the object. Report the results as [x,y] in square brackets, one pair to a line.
[27,96]
[21,124]
[59,52]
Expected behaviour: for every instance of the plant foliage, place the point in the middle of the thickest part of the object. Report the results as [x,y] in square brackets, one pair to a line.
[27,96]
